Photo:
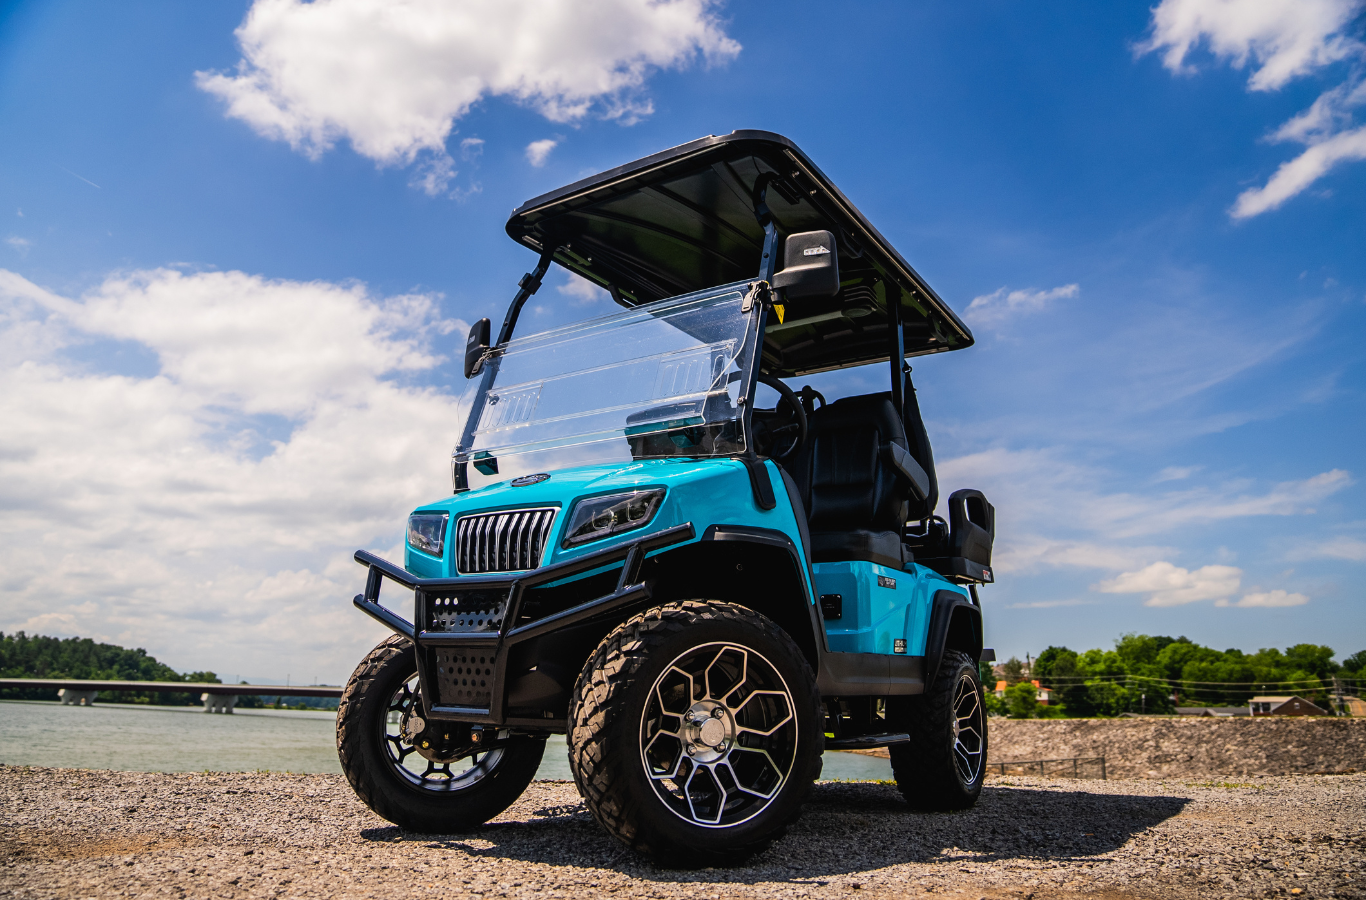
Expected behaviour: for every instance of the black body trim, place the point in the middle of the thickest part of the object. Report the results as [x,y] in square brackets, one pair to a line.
[778,539]
[870,675]
[945,605]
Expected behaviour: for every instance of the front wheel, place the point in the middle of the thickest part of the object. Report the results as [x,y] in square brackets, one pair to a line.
[944,764]
[424,776]
[695,733]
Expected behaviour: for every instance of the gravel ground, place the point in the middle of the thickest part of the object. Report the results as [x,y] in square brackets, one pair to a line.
[74,833]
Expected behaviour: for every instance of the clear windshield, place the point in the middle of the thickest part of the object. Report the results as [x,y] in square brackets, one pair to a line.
[661,380]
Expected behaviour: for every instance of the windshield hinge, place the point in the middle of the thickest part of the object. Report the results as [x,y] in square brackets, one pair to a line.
[758,290]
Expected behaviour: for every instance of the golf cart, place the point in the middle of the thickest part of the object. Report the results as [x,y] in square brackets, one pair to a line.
[703,595]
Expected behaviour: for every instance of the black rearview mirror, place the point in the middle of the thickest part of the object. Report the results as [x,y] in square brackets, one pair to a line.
[475,345]
[810,266]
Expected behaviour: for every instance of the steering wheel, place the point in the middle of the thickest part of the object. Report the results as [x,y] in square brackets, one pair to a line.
[778,423]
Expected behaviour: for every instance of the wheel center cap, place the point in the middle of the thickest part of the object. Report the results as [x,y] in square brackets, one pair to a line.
[713,732]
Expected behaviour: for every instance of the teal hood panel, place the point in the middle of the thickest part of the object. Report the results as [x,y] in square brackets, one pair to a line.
[704,492]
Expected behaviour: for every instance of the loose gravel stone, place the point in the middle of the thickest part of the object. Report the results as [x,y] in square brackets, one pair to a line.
[72,833]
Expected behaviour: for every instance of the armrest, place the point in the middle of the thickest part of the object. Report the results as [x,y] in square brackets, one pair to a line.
[908,469]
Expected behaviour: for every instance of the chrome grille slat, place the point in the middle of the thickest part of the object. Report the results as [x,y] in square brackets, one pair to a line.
[508,541]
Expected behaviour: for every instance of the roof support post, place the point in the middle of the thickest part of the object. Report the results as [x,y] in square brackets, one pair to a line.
[896,347]
[769,264]
[530,284]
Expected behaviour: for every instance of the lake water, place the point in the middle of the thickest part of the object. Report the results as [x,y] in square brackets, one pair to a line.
[186,739]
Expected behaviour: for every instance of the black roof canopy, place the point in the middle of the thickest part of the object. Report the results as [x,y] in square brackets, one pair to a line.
[683,220]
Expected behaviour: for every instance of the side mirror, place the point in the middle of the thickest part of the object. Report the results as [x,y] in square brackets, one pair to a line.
[475,345]
[810,266]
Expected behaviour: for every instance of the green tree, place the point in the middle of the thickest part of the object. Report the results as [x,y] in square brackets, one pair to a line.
[1355,664]
[1022,700]
[38,656]
[1055,664]
[1013,670]
[1314,659]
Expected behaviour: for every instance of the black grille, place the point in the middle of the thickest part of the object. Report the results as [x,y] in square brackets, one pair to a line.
[465,612]
[465,677]
[502,542]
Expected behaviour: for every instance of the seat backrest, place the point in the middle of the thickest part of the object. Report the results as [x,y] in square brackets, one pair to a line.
[842,473]
[918,445]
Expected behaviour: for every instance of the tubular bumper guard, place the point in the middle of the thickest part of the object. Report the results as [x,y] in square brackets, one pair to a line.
[495,643]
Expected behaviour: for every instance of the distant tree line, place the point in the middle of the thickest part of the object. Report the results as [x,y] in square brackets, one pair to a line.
[1144,673]
[37,656]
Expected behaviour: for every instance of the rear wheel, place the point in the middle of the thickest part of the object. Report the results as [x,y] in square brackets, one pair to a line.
[423,775]
[695,733]
[943,766]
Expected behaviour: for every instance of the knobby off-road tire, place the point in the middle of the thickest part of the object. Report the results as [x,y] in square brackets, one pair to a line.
[455,797]
[943,766]
[709,677]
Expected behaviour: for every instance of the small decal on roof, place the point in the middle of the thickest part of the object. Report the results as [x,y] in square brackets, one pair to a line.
[815,251]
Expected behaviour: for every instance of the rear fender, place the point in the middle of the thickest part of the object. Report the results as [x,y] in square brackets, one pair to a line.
[955,624]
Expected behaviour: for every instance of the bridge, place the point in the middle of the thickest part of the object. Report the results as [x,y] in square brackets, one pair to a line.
[217,698]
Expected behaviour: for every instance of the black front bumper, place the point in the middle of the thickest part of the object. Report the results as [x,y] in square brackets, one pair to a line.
[463,627]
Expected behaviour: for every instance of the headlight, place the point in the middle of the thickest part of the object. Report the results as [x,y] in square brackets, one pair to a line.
[600,517]
[427,532]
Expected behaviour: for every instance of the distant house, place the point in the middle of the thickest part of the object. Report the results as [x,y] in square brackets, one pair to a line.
[1284,706]
[1217,711]
[1043,693]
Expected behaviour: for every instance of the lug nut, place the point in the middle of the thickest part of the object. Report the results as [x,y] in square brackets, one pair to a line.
[717,713]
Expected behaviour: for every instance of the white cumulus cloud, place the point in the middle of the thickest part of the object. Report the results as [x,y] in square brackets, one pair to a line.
[206,508]
[393,78]
[1280,40]
[582,290]
[1169,585]
[999,305]
[1267,600]
[537,152]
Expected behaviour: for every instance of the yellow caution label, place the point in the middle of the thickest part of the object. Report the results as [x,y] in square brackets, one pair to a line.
[781,311]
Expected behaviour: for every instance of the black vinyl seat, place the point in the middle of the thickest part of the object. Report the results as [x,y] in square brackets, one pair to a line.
[857,481]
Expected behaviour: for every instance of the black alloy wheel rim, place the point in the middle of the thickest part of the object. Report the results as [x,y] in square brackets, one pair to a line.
[461,770]
[719,736]
[968,729]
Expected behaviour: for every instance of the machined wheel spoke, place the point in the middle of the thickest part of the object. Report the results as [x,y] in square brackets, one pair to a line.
[735,687]
[716,782]
[967,741]
[749,790]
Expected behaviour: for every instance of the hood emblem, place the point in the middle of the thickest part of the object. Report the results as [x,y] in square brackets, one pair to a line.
[530,479]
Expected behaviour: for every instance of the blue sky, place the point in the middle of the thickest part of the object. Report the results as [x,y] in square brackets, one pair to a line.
[237,259]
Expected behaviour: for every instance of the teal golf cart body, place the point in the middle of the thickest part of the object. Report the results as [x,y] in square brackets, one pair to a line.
[619,497]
